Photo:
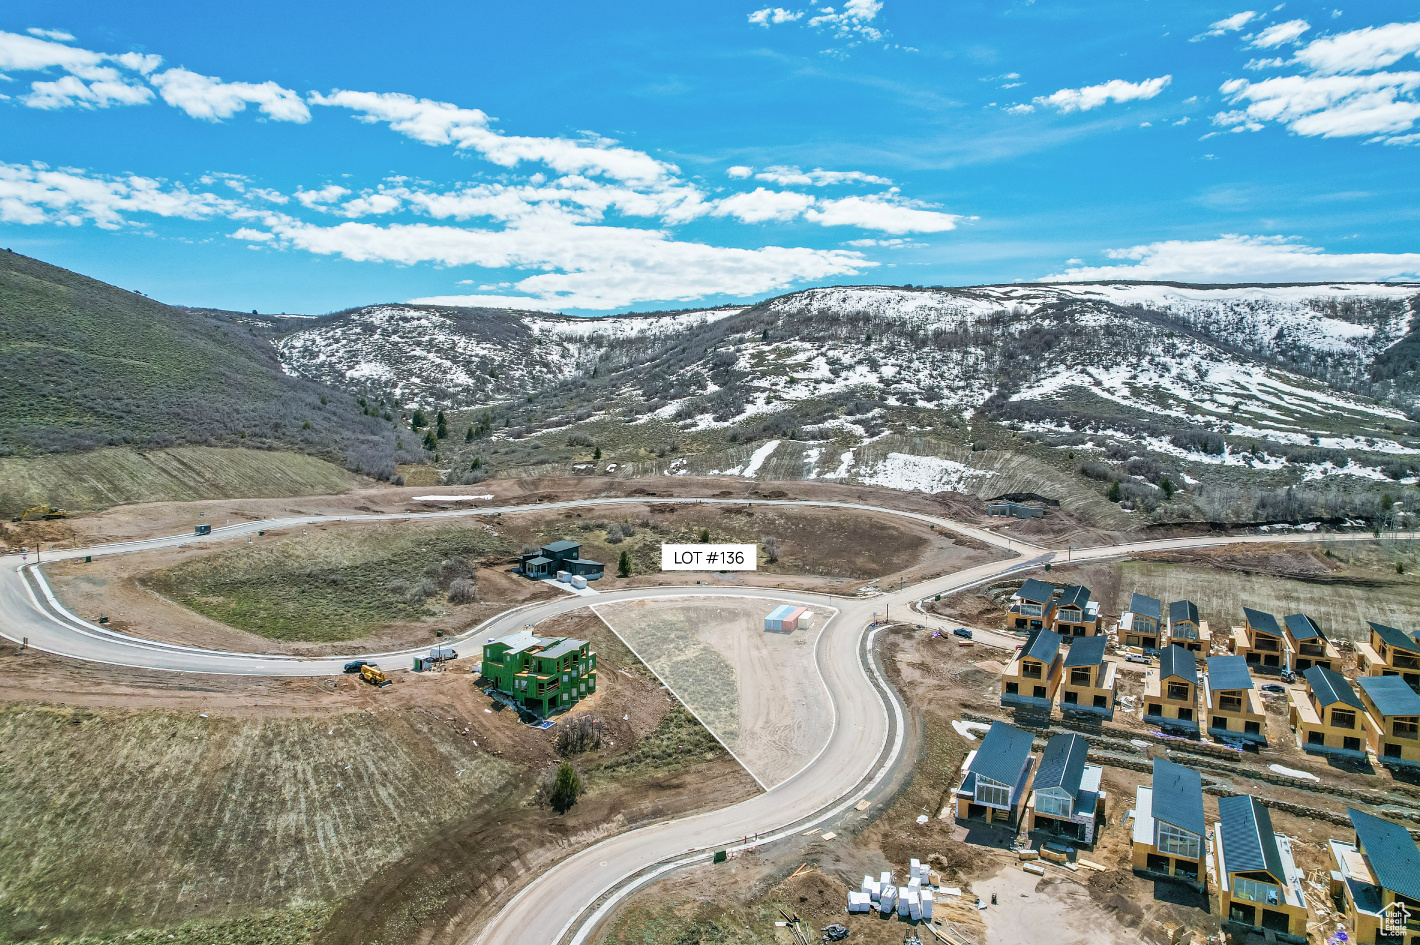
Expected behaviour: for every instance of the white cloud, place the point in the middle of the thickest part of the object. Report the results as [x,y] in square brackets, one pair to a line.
[587,267]
[1228,24]
[1093,96]
[853,22]
[880,213]
[253,236]
[762,206]
[442,123]
[1235,258]
[774,15]
[739,171]
[211,99]
[317,199]
[1020,109]
[35,193]
[1280,33]
[791,176]
[1373,47]
[1257,65]
[1326,105]
[68,91]
[93,81]
[61,35]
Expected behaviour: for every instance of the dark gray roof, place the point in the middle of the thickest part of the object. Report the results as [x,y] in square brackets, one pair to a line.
[1178,796]
[1262,620]
[1076,595]
[1228,672]
[557,547]
[1249,843]
[1392,853]
[1176,661]
[1331,687]
[1302,627]
[1145,606]
[586,561]
[562,649]
[1183,610]
[1063,764]
[1004,753]
[537,560]
[1396,638]
[1086,651]
[1037,591]
[1391,694]
[1042,644]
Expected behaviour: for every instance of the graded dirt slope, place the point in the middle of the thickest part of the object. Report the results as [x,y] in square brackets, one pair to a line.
[757,691]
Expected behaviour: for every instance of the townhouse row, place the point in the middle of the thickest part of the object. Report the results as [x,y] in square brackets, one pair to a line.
[1253,870]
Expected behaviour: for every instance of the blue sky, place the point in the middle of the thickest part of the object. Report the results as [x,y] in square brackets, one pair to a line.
[635,156]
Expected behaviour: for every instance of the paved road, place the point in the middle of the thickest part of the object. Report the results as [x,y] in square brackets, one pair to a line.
[862,749]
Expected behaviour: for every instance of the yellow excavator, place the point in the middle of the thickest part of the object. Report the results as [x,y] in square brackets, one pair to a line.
[41,512]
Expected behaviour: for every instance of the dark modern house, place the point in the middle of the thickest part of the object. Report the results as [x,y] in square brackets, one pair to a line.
[559,556]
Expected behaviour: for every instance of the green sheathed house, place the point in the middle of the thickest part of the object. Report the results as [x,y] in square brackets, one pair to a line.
[544,674]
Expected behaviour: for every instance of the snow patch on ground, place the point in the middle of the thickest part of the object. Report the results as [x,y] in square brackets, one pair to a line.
[910,473]
[1293,773]
[760,455]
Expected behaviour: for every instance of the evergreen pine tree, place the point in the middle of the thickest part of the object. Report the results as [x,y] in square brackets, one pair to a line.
[623,565]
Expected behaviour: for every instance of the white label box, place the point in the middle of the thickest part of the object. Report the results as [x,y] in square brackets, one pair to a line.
[709,557]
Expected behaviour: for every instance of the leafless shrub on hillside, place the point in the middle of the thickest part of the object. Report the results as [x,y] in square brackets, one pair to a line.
[614,535]
[577,734]
[462,591]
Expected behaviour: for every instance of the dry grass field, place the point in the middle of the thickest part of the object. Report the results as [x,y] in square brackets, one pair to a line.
[119,819]
[103,478]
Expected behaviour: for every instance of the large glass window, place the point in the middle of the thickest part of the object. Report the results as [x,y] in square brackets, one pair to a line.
[993,794]
[1177,842]
[1030,610]
[1253,891]
[1343,718]
[1404,729]
[1052,805]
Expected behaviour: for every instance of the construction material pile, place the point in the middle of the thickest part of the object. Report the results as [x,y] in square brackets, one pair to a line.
[912,901]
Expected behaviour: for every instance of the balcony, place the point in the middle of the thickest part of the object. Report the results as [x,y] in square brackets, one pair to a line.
[1266,645]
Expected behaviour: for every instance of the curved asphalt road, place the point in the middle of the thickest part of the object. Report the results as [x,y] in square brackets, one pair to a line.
[862,748]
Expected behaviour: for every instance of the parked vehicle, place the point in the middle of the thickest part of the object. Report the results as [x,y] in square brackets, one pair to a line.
[202,530]
[962,632]
[354,666]
[1273,687]
[439,654]
[373,675]
[1139,658]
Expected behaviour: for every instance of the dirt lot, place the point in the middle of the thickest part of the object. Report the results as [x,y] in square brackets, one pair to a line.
[348,587]
[718,659]
[154,519]
[262,795]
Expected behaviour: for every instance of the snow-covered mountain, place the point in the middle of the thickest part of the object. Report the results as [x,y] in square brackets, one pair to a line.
[1310,380]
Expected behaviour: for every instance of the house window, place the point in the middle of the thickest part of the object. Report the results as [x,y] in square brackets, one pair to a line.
[1253,891]
[1154,708]
[1080,676]
[1316,738]
[1039,692]
[1030,670]
[1179,692]
[1071,696]
[1229,703]
[1252,728]
[1220,723]
[1404,729]
[1177,842]
[992,794]
[1101,702]
[1351,743]
[1030,610]
[1391,750]
[1185,715]
[1052,805]
[1012,688]
[1343,718]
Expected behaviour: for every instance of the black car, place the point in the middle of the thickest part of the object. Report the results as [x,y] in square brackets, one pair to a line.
[1273,687]
[354,665]
[962,632]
